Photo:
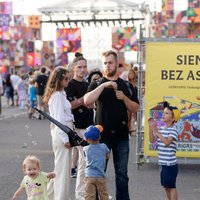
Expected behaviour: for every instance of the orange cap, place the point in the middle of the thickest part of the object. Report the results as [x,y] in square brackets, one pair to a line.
[99,127]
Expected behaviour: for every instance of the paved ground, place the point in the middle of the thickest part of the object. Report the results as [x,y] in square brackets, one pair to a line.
[21,136]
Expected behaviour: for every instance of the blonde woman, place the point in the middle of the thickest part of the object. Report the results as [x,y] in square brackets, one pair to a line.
[60,109]
[132,117]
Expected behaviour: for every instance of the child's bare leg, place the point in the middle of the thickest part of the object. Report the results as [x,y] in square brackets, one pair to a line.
[173,194]
[167,190]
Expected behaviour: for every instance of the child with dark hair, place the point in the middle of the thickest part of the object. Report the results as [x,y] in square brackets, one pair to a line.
[166,143]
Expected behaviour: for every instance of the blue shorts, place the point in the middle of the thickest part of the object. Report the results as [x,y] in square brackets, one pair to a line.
[33,103]
[168,176]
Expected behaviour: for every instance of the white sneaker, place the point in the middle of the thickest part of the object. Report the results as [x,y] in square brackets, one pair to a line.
[110,197]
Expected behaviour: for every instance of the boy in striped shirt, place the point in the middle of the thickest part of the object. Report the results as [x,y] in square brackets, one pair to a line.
[166,143]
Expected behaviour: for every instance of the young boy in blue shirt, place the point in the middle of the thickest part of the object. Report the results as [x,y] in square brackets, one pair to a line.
[96,154]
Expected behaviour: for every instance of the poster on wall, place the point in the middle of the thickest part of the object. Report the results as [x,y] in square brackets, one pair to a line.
[68,40]
[173,75]
[124,39]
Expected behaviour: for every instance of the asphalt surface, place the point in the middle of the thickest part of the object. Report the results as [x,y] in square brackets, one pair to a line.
[20,136]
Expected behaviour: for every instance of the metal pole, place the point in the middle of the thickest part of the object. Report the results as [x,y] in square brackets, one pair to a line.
[139,139]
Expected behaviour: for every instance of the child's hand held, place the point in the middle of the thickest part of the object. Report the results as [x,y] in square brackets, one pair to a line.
[151,122]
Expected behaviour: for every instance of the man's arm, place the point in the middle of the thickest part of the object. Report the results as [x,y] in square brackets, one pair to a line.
[92,96]
[77,102]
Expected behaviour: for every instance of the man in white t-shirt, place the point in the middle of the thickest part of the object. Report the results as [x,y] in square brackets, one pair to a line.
[15,80]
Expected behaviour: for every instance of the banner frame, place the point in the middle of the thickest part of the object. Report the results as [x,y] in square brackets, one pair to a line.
[140,156]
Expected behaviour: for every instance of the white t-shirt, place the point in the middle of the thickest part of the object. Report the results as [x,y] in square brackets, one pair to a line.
[15,79]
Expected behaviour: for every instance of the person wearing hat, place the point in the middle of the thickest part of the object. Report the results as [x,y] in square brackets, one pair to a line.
[94,75]
[96,154]
[167,137]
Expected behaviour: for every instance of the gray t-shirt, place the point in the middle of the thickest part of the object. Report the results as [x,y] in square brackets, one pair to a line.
[95,159]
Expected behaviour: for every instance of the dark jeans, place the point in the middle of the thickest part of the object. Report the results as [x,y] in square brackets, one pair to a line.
[120,150]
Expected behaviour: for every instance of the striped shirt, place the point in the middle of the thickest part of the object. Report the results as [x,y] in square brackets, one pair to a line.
[167,154]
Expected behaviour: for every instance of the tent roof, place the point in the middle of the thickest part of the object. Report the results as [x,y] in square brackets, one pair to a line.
[64,6]
[87,11]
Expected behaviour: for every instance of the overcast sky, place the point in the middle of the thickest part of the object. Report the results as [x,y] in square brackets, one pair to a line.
[30,6]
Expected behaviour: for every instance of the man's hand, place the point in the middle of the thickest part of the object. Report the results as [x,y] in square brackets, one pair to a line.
[91,106]
[110,84]
[120,95]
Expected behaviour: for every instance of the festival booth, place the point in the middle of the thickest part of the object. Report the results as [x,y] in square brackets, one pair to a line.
[173,74]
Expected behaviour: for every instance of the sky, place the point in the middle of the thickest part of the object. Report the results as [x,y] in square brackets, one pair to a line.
[156,4]
[30,6]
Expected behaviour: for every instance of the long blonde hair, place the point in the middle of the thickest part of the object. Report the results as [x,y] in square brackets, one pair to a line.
[54,82]
[134,80]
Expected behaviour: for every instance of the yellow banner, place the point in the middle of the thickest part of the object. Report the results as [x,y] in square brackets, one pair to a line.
[173,75]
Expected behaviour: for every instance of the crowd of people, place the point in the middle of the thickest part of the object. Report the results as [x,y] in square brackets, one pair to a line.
[82,100]
[25,90]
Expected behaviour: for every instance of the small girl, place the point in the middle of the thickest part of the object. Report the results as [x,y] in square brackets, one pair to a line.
[35,181]
[166,143]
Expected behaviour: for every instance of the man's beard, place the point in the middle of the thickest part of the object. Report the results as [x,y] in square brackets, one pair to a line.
[111,74]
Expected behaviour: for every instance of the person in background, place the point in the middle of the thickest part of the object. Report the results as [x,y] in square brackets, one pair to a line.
[74,161]
[70,68]
[95,180]
[132,78]
[32,96]
[59,109]
[114,97]
[132,118]
[167,137]
[83,115]
[35,181]
[1,84]
[9,91]
[41,81]
[136,71]
[22,92]
[94,75]
[15,80]
[1,90]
